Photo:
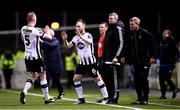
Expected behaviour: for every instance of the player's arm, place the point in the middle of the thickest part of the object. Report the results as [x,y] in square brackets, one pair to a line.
[64,37]
[48,36]
[89,40]
[42,33]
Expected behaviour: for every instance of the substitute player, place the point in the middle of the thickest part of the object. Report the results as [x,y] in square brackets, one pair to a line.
[83,41]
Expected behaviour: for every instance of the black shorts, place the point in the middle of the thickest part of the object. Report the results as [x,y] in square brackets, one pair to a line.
[34,65]
[90,69]
[100,69]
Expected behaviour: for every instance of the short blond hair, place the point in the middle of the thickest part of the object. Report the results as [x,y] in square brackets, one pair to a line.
[136,19]
[31,16]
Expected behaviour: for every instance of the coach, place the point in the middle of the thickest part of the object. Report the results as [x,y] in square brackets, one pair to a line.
[113,45]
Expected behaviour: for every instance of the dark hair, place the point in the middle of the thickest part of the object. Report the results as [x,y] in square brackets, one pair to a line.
[106,24]
[169,31]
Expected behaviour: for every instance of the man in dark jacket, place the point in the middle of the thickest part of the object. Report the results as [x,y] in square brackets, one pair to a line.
[167,57]
[113,45]
[53,62]
[140,52]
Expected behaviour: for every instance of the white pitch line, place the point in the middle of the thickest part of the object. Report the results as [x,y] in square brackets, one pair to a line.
[118,106]
[111,105]
[69,99]
[165,105]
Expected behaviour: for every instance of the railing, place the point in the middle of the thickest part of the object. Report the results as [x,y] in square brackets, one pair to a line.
[89,26]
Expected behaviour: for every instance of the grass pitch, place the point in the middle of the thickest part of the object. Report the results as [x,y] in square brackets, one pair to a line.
[9,99]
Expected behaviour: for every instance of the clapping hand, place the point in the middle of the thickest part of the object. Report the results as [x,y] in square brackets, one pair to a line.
[77,32]
[64,35]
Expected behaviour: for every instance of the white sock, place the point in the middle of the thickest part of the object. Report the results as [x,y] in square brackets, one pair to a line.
[45,89]
[79,89]
[102,88]
[28,85]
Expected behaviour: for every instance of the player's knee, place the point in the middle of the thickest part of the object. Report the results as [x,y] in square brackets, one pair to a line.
[77,78]
[35,76]
[30,81]
[97,79]
[42,76]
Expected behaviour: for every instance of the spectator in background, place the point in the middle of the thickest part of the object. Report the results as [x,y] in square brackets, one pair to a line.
[167,59]
[20,54]
[8,63]
[113,45]
[71,60]
[140,52]
[53,62]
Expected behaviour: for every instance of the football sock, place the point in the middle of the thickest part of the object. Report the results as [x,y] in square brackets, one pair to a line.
[28,85]
[44,87]
[79,89]
[103,89]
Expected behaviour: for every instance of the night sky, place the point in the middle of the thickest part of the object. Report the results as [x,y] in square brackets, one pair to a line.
[93,12]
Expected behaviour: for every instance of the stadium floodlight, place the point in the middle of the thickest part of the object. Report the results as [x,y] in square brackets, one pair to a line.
[55,25]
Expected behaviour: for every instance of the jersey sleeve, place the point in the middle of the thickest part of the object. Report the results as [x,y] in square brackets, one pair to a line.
[90,36]
[38,32]
[74,39]
[22,32]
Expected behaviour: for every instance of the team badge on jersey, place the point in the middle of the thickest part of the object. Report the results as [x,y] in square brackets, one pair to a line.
[80,45]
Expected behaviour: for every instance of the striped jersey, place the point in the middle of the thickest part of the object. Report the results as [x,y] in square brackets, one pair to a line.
[85,50]
[31,37]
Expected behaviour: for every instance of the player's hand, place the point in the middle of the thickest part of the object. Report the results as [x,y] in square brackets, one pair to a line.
[64,35]
[77,32]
